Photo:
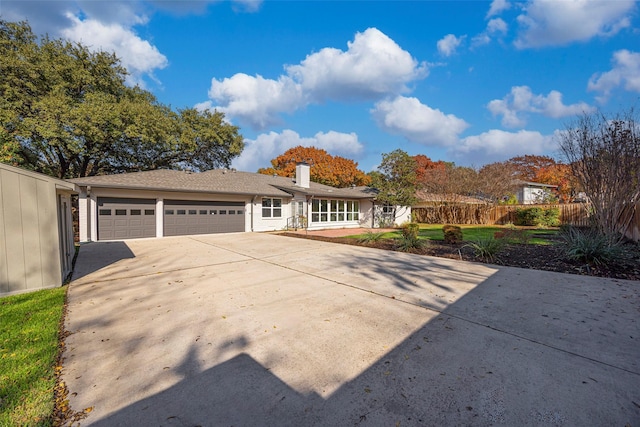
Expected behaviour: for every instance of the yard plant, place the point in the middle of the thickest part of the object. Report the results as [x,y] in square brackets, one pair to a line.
[28,353]
[452,233]
[486,248]
[536,216]
[370,237]
[590,246]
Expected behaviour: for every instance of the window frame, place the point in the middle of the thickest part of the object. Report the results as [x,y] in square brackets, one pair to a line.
[335,210]
[271,208]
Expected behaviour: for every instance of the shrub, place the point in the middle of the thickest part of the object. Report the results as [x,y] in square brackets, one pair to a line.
[486,248]
[452,234]
[411,230]
[538,217]
[590,246]
[529,216]
[551,217]
[370,237]
[409,243]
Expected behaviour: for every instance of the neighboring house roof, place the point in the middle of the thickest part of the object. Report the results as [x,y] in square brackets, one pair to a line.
[534,184]
[221,181]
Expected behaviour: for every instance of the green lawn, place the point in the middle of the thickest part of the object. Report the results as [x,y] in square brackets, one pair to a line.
[471,233]
[28,351]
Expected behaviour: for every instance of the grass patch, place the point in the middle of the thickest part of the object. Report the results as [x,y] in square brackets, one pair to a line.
[470,233]
[28,352]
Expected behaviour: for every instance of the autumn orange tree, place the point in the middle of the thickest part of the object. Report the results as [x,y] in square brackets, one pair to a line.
[325,169]
[545,170]
[427,169]
[559,174]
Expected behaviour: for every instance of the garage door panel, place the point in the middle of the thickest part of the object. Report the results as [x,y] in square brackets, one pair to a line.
[126,218]
[189,217]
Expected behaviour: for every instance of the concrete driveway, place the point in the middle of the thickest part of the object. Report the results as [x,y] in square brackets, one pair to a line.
[263,330]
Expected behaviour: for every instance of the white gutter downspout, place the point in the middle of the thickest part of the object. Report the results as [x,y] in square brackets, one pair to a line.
[253,201]
[373,213]
[309,211]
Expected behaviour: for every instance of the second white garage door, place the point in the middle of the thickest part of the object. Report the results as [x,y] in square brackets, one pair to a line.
[185,217]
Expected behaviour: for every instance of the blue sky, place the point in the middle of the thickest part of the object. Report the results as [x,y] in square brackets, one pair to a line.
[471,82]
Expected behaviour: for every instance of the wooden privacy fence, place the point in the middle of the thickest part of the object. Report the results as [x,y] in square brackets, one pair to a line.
[630,222]
[571,214]
[576,214]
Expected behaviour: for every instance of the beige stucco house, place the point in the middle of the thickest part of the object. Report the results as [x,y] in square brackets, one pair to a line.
[36,230]
[169,203]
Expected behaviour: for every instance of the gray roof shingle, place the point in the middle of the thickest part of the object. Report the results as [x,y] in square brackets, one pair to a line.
[220,181]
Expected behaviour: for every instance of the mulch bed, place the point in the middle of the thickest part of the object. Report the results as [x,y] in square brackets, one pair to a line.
[538,257]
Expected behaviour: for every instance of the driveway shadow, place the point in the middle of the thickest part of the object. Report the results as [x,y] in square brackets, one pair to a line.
[502,346]
[97,255]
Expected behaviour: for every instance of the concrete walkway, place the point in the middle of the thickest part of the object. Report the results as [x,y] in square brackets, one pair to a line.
[263,330]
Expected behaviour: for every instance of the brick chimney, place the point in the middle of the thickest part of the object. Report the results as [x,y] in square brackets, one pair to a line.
[303,174]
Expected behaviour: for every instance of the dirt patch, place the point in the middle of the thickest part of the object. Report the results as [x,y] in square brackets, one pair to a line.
[537,257]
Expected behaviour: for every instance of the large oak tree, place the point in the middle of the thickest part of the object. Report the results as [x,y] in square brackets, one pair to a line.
[66,111]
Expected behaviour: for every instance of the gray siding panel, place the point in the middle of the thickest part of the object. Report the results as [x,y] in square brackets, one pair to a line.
[16,280]
[31,231]
[30,256]
[4,273]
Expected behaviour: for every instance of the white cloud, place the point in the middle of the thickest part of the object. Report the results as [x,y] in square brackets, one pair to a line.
[138,56]
[259,152]
[448,44]
[256,100]
[625,72]
[497,25]
[552,22]
[495,28]
[247,5]
[418,122]
[497,145]
[522,100]
[374,66]
[497,6]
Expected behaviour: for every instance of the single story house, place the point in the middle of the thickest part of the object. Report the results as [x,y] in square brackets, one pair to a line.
[36,230]
[170,203]
[529,193]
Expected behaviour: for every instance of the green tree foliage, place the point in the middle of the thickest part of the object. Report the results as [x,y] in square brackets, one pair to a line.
[66,111]
[396,179]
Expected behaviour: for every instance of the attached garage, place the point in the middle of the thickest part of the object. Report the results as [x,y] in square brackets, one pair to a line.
[186,217]
[120,218]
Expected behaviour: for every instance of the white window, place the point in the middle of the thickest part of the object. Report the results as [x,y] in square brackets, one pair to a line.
[334,210]
[271,208]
